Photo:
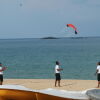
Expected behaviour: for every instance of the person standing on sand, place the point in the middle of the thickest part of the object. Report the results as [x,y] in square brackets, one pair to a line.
[98,74]
[1,73]
[57,73]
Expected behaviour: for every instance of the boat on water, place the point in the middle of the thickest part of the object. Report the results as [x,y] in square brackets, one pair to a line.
[17,92]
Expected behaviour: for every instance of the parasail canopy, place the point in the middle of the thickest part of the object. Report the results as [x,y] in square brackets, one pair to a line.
[72,26]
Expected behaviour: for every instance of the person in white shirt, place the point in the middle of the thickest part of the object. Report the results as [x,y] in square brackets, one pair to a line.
[98,74]
[1,73]
[57,73]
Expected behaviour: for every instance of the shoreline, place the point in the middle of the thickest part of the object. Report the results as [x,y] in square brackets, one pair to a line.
[66,84]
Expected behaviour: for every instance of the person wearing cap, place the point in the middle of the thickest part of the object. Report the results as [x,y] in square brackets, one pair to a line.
[57,74]
[1,73]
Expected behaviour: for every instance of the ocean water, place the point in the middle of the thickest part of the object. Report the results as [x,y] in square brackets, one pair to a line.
[35,58]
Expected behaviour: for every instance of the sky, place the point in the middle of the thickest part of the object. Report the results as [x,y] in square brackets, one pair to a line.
[42,18]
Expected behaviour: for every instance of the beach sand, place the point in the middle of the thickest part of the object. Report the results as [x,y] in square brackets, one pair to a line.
[72,85]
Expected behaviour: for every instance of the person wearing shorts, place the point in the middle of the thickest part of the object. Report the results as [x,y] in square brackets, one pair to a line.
[98,74]
[57,74]
[1,73]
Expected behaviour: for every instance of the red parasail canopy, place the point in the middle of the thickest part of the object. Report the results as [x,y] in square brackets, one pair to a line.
[72,26]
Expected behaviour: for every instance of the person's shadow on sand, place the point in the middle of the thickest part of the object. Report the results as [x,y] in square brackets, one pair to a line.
[68,84]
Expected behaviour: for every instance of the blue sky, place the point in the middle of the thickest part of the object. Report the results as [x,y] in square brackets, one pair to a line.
[40,18]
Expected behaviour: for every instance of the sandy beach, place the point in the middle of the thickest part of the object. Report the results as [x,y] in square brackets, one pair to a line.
[73,85]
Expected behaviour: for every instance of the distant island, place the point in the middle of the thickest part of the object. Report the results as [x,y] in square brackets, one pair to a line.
[50,38]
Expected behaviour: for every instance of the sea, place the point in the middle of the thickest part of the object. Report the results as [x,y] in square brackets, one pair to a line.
[34,58]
